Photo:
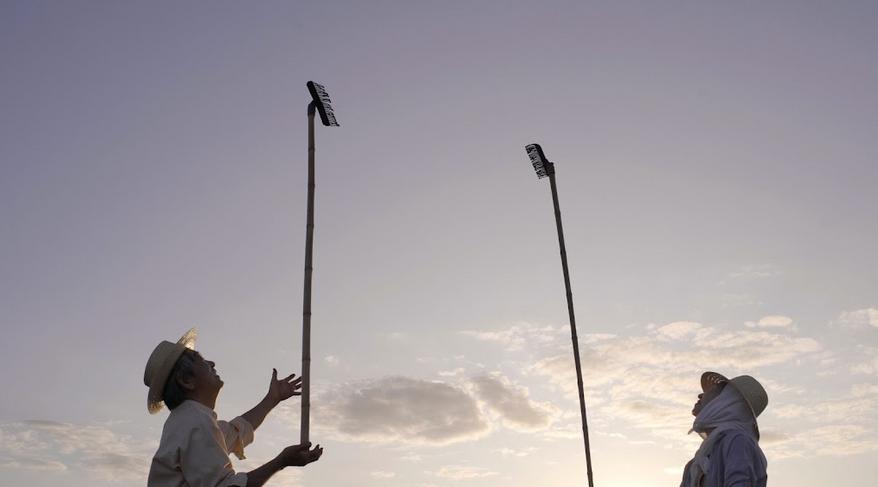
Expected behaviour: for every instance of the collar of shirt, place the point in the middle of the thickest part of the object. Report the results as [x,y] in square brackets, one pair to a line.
[197,406]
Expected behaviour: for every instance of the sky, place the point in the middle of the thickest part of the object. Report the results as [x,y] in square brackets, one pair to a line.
[716,168]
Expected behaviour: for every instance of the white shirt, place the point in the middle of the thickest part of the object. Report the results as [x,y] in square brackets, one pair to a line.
[195,447]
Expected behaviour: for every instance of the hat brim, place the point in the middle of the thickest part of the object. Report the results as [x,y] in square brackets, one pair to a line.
[753,392]
[154,398]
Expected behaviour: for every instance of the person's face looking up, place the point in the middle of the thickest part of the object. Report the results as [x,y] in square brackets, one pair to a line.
[705,397]
[205,373]
[202,379]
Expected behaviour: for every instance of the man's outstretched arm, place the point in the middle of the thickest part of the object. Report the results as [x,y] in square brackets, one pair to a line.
[278,390]
[291,456]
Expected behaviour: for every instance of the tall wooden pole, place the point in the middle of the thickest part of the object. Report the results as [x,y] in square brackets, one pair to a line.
[572,325]
[309,269]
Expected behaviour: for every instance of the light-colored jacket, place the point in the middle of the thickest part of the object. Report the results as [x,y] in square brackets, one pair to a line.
[735,461]
[194,450]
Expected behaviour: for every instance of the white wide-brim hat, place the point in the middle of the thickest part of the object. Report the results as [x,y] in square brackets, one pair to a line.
[159,367]
[749,388]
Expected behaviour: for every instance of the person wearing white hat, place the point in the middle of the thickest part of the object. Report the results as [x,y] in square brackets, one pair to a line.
[725,418]
[195,447]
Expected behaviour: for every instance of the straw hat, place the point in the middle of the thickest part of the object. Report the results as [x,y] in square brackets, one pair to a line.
[749,388]
[159,366]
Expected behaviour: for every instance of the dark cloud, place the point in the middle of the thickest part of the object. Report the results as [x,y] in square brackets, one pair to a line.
[512,403]
[401,409]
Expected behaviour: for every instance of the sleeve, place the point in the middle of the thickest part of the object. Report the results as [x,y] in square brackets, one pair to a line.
[685,481]
[237,434]
[204,461]
[740,469]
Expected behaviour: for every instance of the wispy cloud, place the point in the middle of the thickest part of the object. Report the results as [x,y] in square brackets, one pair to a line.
[463,472]
[865,360]
[755,271]
[858,318]
[516,452]
[861,390]
[519,336]
[771,321]
[456,372]
[33,464]
[823,440]
[678,330]
[52,446]
[381,474]
[649,381]
[857,409]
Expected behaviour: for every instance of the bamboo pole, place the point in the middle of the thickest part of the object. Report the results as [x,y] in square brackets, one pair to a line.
[573,336]
[309,270]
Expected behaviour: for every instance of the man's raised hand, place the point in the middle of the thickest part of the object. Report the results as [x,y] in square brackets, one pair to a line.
[283,389]
[299,455]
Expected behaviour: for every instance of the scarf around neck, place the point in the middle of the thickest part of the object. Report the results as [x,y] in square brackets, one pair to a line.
[728,411]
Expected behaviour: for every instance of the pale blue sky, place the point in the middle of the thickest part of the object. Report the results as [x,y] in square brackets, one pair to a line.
[716,167]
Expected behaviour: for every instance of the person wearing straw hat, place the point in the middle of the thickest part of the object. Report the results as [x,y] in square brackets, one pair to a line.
[725,418]
[195,447]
